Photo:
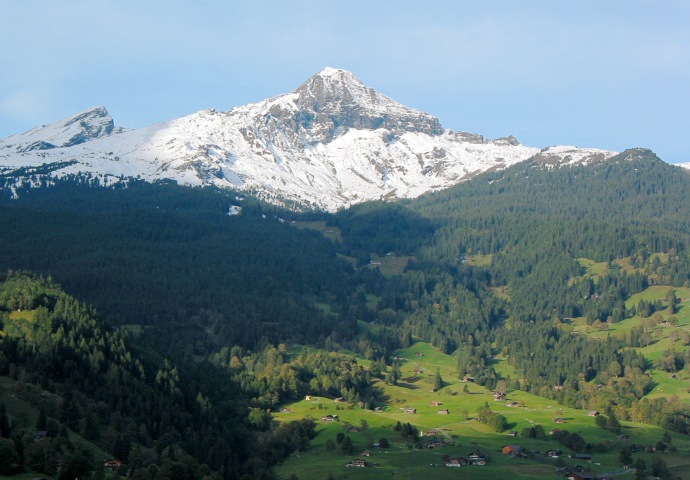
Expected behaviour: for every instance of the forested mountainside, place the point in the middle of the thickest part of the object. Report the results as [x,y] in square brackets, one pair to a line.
[146,252]
[72,372]
[238,307]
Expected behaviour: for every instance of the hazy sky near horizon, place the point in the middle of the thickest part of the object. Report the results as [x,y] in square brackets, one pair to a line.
[612,74]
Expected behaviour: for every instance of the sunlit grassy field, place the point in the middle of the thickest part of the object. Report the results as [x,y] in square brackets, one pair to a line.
[460,430]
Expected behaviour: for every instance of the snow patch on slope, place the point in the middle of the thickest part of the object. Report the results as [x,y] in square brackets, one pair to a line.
[568,155]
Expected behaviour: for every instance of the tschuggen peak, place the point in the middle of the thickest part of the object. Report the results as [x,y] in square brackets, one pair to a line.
[330,143]
[88,125]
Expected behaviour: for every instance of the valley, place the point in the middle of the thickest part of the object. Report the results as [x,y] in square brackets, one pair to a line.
[188,301]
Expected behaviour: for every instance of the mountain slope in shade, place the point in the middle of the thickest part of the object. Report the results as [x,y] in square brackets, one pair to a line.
[328,144]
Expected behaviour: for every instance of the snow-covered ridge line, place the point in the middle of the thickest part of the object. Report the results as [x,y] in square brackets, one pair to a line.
[330,143]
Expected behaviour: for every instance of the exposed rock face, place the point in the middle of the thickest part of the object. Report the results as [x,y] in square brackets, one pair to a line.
[91,124]
[83,127]
[333,101]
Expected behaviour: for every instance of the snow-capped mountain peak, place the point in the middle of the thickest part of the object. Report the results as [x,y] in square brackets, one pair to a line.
[340,98]
[330,143]
[88,125]
[332,102]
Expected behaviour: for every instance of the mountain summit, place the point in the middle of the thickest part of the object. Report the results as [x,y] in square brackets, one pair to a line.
[85,126]
[330,143]
[338,100]
[333,101]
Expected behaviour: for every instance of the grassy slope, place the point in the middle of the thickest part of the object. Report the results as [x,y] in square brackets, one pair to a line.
[390,265]
[467,435]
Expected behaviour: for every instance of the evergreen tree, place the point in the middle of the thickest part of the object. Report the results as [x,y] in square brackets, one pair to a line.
[612,423]
[659,468]
[41,420]
[4,421]
[671,301]
[640,469]
[347,446]
[438,381]
[10,461]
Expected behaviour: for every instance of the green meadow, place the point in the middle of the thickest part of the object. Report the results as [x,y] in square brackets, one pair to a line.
[331,233]
[460,431]
[390,265]
[593,269]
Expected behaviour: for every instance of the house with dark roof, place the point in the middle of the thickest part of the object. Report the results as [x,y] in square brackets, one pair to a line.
[457,462]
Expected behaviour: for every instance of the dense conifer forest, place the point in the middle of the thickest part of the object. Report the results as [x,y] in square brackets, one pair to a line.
[149,321]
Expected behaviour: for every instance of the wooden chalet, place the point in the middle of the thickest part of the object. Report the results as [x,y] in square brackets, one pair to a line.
[581,456]
[436,443]
[358,463]
[553,454]
[476,457]
[589,476]
[112,464]
[511,449]
[457,462]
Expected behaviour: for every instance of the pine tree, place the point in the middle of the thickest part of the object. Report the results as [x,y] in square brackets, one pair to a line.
[625,456]
[41,420]
[438,381]
[347,447]
[4,422]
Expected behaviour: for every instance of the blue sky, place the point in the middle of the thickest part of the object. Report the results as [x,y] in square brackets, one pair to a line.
[608,74]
